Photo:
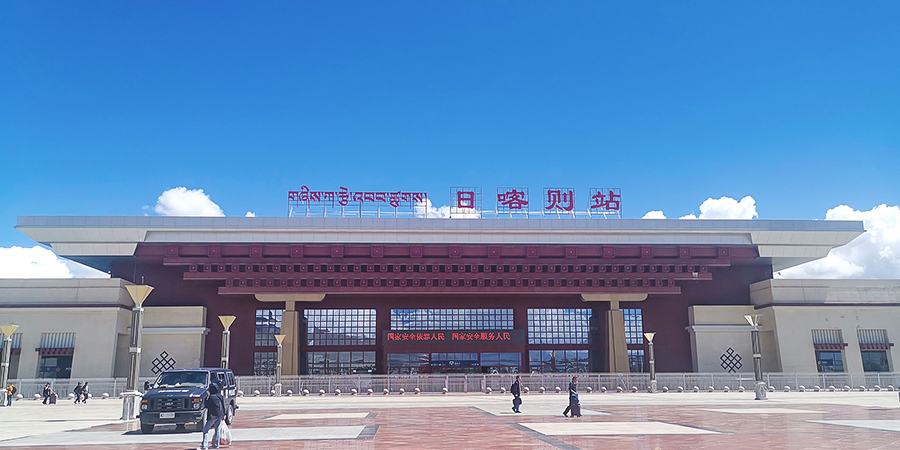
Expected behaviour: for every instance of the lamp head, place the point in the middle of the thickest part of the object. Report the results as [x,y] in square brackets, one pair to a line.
[138,292]
[8,330]
[649,337]
[280,338]
[227,321]
[753,319]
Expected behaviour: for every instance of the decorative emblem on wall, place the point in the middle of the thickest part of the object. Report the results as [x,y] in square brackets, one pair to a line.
[731,361]
[164,362]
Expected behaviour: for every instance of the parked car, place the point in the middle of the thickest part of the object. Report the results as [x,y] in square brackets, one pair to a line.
[178,397]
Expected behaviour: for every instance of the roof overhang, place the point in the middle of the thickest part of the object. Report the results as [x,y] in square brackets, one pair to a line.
[100,241]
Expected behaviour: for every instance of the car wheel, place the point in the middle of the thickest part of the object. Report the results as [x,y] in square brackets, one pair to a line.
[146,428]
[229,415]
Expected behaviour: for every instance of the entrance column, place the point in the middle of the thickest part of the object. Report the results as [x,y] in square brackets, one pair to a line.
[290,327]
[617,349]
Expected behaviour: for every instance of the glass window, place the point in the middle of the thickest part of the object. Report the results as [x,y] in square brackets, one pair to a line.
[558,361]
[264,363]
[636,360]
[451,319]
[268,324]
[55,367]
[340,326]
[875,361]
[830,361]
[407,363]
[501,362]
[559,326]
[340,363]
[634,326]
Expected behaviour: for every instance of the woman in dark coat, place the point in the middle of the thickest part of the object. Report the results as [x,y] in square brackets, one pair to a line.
[215,412]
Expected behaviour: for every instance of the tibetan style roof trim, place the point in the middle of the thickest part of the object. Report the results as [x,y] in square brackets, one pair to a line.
[97,241]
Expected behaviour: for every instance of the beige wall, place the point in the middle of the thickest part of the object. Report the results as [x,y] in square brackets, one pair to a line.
[715,329]
[795,325]
[179,331]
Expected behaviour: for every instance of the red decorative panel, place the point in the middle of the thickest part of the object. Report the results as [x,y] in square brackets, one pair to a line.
[256,251]
[214,251]
[377,251]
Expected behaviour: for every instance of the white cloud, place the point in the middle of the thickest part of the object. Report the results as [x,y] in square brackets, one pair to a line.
[654,215]
[40,262]
[250,214]
[875,254]
[34,262]
[689,216]
[427,210]
[728,208]
[182,201]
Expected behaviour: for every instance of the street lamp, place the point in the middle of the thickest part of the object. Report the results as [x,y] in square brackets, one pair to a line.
[649,337]
[279,338]
[226,339]
[753,320]
[8,331]
[131,404]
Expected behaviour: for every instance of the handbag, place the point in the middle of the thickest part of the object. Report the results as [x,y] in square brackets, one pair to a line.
[517,401]
[224,434]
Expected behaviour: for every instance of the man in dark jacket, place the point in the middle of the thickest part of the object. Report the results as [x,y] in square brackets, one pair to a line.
[46,393]
[516,391]
[77,391]
[215,411]
[573,399]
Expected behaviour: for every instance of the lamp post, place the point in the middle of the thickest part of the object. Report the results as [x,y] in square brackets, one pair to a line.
[761,390]
[131,403]
[226,339]
[279,338]
[8,331]
[649,337]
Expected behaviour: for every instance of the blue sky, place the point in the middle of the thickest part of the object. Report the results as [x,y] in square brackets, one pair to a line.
[106,105]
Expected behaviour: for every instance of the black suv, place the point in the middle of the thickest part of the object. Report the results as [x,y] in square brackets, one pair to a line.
[178,397]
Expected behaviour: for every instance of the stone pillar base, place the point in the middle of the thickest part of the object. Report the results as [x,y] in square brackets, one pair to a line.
[761,390]
[277,389]
[131,405]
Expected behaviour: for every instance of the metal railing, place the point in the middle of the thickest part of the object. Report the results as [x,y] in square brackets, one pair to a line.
[469,383]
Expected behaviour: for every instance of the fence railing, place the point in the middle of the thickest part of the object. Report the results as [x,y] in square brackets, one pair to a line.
[464,383]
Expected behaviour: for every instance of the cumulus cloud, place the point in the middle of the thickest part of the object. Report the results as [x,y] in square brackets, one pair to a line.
[728,208]
[182,201]
[721,208]
[250,214]
[427,210]
[875,254]
[34,262]
[40,262]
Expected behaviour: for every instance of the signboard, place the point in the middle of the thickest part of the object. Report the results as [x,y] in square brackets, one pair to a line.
[559,200]
[454,337]
[345,197]
[605,201]
[465,200]
[512,200]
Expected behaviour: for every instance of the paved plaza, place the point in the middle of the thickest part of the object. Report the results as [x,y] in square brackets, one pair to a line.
[689,420]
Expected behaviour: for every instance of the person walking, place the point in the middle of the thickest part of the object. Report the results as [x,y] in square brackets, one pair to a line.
[46,393]
[516,391]
[10,393]
[215,412]
[77,392]
[573,399]
[85,390]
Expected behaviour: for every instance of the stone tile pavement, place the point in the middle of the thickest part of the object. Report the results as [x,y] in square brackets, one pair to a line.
[831,420]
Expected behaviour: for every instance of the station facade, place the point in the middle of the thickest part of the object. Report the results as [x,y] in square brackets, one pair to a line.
[417,295]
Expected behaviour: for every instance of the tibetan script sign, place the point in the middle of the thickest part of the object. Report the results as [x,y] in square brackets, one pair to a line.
[559,199]
[512,200]
[605,200]
[451,337]
[344,197]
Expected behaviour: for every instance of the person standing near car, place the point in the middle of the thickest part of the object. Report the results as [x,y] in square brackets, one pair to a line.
[215,412]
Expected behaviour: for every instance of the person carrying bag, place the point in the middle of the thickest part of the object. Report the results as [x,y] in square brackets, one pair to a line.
[516,391]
